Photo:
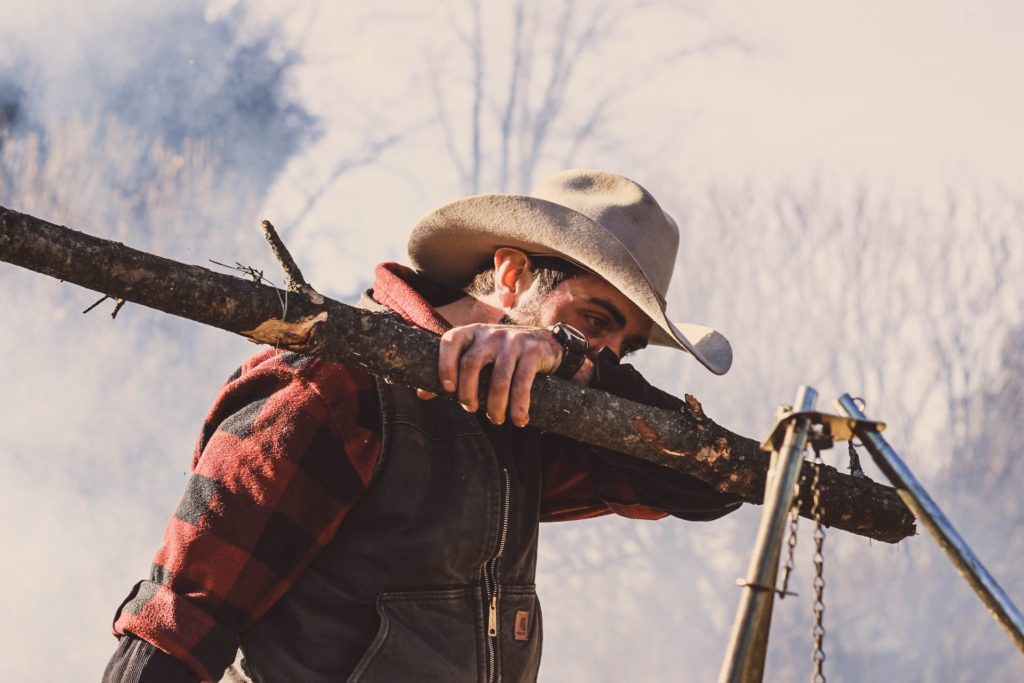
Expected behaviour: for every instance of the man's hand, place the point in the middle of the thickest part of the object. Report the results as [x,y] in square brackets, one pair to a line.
[517,354]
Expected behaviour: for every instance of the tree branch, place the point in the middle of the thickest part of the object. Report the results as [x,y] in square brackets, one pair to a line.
[295,280]
[686,441]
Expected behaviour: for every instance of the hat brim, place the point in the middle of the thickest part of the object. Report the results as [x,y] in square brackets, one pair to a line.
[455,242]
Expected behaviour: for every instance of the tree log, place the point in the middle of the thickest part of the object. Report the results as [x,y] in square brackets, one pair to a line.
[687,441]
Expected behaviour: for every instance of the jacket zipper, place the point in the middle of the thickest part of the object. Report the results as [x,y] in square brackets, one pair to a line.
[490,581]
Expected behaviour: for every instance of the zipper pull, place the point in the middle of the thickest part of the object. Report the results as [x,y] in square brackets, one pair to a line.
[492,618]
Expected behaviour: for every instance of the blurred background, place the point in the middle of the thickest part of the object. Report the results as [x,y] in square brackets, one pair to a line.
[849,183]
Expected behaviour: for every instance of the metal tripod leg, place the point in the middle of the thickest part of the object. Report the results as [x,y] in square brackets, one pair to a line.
[925,509]
[748,644]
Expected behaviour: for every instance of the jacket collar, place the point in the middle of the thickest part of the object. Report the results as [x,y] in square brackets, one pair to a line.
[412,296]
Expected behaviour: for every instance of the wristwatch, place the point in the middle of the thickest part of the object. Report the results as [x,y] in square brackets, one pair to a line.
[574,349]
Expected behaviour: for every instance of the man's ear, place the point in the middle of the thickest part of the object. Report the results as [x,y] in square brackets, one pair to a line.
[513,275]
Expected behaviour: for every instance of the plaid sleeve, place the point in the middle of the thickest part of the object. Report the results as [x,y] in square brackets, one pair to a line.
[288,447]
[578,485]
[582,481]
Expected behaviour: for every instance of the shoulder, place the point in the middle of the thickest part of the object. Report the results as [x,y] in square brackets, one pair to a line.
[280,370]
[283,395]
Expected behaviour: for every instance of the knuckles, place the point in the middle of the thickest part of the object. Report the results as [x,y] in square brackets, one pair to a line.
[517,354]
[482,343]
[498,337]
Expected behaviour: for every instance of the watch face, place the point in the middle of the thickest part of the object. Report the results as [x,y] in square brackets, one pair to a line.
[569,337]
[575,347]
[576,338]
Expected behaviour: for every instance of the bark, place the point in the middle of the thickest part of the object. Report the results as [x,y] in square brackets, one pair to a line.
[687,441]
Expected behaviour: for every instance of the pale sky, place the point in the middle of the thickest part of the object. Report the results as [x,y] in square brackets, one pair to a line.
[902,87]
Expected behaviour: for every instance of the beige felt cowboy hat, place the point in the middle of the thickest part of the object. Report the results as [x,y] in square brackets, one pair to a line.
[607,224]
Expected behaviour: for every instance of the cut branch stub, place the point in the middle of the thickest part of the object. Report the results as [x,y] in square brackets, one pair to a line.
[292,274]
[291,269]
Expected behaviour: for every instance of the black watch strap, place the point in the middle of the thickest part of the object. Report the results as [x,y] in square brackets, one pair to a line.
[574,349]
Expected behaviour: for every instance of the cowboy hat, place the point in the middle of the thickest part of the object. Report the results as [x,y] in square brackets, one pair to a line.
[603,222]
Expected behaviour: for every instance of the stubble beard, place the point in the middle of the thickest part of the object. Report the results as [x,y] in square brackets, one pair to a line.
[526,312]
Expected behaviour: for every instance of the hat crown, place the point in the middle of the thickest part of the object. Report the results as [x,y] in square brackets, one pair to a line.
[626,211]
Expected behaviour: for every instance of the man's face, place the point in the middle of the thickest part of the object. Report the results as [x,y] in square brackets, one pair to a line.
[591,305]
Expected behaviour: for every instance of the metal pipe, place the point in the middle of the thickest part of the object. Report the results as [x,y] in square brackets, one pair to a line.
[933,519]
[748,643]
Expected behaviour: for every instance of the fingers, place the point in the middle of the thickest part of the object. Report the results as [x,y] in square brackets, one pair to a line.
[452,344]
[517,354]
[586,374]
[519,396]
[472,362]
[498,392]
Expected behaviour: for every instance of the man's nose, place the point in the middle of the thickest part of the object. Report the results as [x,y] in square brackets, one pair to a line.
[614,342]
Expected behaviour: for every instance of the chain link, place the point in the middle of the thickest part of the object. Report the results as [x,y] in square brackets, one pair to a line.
[817,511]
[818,631]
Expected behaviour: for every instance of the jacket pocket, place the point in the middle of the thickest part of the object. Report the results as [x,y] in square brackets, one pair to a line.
[520,634]
[424,637]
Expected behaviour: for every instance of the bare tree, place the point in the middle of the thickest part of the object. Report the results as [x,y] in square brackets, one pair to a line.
[528,88]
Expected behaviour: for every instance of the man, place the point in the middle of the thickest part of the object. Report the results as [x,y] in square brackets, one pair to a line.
[337,527]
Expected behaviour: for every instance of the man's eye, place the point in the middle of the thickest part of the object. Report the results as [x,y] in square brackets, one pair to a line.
[596,323]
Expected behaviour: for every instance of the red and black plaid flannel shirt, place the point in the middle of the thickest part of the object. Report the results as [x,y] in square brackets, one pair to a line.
[289,446]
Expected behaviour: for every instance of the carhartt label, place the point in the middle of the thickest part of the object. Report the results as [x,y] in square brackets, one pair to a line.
[522,625]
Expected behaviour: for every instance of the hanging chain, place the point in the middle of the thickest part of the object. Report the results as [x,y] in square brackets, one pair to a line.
[794,522]
[818,631]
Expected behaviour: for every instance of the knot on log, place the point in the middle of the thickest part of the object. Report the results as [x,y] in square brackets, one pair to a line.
[695,410]
[711,452]
[713,444]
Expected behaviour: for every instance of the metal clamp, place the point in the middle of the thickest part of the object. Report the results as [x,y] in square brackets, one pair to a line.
[826,428]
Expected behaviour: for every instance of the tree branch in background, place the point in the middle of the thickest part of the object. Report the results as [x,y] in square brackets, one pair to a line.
[367,156]
[686,441]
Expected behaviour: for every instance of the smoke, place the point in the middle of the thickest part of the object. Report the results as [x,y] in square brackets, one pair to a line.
[165,127]
[139,96]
